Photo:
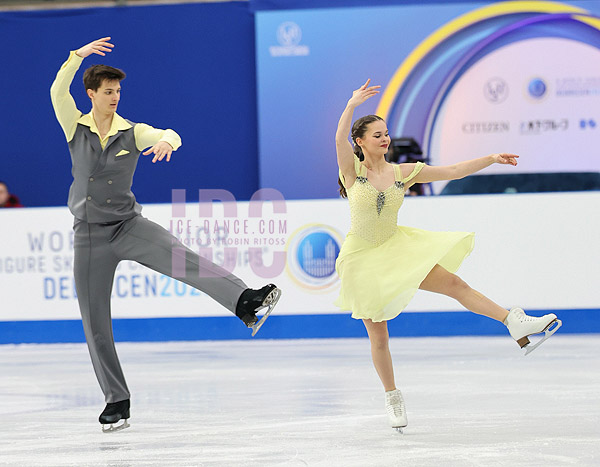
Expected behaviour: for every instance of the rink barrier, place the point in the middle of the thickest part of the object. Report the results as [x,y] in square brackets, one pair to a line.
[422,324]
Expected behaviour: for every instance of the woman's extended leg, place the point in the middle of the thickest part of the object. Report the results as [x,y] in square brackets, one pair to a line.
[441,281]
[519,324]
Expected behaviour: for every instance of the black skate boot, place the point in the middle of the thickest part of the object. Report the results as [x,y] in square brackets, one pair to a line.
[252,301]
[113,412]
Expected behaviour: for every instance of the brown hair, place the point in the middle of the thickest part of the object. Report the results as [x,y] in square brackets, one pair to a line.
[358,131]
[96,74]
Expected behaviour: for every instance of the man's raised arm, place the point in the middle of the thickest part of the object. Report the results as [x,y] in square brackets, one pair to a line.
[64,105]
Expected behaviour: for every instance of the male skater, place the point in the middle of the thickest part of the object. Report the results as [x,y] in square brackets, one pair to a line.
[108,225]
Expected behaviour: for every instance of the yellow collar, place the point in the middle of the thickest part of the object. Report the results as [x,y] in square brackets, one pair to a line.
[118,124]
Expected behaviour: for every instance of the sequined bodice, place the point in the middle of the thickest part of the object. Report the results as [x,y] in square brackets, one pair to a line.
[374,213]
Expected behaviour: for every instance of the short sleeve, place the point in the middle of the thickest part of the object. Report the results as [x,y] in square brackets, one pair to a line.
[418,167]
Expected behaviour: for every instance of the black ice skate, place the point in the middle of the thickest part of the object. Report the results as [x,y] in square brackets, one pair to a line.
[114,412]
[252,301]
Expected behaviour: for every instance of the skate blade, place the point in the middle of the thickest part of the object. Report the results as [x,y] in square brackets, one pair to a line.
[547,333]
[399,429]
[112,428]
[269,302]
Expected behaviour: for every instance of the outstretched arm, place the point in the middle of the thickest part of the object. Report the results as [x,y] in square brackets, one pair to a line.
[345,154]
[461,169]
[65,109]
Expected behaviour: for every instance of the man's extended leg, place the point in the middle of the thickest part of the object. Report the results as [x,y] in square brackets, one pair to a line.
[148,243]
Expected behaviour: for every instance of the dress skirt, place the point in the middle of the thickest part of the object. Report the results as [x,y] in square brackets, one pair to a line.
[378,282]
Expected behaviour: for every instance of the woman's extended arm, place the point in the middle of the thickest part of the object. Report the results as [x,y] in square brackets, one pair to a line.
[462,169]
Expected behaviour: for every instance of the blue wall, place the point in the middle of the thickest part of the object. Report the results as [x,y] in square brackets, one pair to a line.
[434,324]
[190,68]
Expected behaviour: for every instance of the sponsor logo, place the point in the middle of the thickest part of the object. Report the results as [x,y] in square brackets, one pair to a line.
[585,123]
[471,128]
[537,88]
[311,254]
[541,126]
[578,86]
[289,36]
[495,90]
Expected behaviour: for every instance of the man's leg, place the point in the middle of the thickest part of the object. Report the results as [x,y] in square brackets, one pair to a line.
[148,243]
[94,269]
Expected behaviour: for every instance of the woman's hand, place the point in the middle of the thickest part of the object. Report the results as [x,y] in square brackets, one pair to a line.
[363,93]
[96,47]
[504,158]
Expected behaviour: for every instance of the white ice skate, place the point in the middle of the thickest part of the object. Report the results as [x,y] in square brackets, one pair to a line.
[112,427]
[521,326]
[394,406]
[269,303]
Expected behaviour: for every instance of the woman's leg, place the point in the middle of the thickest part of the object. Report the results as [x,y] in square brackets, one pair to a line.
[441,281]
[380,351]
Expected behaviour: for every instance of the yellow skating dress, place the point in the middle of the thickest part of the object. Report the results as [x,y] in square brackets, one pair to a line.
[382,264]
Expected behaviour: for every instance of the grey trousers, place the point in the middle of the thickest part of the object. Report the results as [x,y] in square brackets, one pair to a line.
[98,250]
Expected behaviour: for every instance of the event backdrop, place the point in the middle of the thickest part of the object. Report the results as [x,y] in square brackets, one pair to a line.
[536,252]
[476,75]
[464,80]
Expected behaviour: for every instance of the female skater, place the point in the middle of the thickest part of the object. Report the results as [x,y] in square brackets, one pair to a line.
[381,265]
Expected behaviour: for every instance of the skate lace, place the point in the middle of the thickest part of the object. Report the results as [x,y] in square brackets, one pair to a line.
[521,316]
[395,404]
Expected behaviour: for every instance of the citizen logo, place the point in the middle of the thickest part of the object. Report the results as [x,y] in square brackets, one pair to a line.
[537,127]
[471,128]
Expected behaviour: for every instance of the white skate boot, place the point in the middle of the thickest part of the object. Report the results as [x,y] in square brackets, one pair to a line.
[521,326]
[394,406]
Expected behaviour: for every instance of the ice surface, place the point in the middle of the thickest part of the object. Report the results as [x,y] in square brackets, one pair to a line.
[471,401]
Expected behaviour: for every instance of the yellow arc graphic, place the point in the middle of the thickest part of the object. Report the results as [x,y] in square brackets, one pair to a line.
[472,17]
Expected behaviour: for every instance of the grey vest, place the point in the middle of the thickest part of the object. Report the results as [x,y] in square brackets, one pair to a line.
[101,188]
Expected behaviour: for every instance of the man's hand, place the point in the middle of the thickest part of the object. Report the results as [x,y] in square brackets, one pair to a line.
[97,47]
[160,150]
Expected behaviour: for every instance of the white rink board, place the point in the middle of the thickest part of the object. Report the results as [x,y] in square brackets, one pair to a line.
[538,251]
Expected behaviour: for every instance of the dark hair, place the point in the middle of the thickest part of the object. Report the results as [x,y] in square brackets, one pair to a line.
[96,74]
[358,131]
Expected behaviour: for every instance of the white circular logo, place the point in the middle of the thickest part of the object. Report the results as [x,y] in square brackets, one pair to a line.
[289,34]
[496,90]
